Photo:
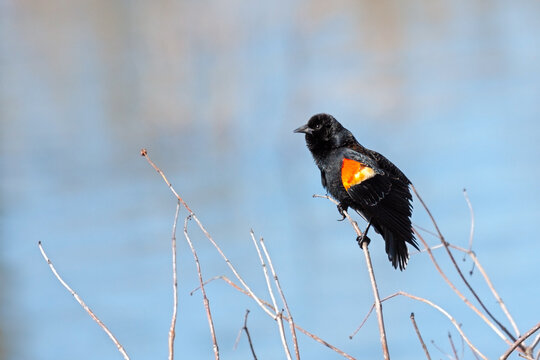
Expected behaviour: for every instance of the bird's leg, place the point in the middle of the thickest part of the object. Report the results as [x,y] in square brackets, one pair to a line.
[342,208]
[364,238]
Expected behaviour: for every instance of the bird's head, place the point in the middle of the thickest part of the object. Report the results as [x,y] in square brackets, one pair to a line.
[324,131]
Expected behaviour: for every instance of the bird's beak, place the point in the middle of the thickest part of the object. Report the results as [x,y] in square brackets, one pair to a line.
[304,129]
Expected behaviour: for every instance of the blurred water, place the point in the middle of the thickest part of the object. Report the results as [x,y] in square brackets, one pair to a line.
[448,90]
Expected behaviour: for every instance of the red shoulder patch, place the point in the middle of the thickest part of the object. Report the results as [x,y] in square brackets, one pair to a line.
[354,172]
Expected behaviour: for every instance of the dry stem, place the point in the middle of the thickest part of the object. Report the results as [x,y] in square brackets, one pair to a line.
[519,341]
[453,346]
[245,328]
[298,327]
[445,244]
[172,331]
[144,153]
[271,292]
[205,298]
[450,317]
[420,337]
[378,305]
[282,295]
[82,303]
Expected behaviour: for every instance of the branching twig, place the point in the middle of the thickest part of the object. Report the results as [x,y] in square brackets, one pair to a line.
[484,274]
[144,153]
[172,331]
[282,295]
[378,305]
[452,320]
[245,328]
[440,309]
[420,337]
[271,292]
[460,295]
[519,341]
[205,298]
[445,244]
[441,350]
[84,306]
[453,346]
[368,314]
[298,327]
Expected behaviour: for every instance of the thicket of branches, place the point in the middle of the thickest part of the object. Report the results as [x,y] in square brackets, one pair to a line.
[278,310]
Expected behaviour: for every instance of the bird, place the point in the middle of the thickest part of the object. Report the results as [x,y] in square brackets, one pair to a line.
[365,181]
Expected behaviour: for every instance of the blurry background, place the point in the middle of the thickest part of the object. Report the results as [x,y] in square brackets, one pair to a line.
[448,90]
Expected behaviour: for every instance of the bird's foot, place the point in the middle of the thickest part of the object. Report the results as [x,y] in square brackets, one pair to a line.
[342,208]
[363,239]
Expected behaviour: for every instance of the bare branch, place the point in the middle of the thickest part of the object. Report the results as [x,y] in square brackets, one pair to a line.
[442,351]
[245,328]
[477,264]
[144,153]
[172,331]
[378,305]
[420,337]
[453,346]
[450,317]
[534,343]
[271,292]
[519,341]
[282,295]
[471,234]
[205,298]
[298,327]
[460,295]
[368,314]
[82,303]
[445,244]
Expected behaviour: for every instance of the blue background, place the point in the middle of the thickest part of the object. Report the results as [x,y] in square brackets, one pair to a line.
[448,90]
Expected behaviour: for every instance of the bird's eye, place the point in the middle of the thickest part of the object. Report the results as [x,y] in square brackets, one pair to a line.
[318,126]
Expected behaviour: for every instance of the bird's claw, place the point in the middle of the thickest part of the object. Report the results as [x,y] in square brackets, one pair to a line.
[363,239]
[341,210]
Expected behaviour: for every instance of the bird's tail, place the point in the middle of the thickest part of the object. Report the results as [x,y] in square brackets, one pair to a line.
[396,245]
[396,249]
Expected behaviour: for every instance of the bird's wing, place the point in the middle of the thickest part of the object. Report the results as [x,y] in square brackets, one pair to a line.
[363,179]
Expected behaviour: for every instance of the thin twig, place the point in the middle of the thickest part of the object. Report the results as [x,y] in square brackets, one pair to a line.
[450,317]
[445,243]
[172,331]
[298,327]
[144,153]
[378,305]
[471,234]
[534,343]
[477,264]
[245,328]
[420,337]
[82,303]
[441,350]
[519,341]
[368,314]
[271,292]
[453,346]
[282,295]
[205,298]
[460,295]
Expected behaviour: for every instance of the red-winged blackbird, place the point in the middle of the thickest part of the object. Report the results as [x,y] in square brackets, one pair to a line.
[365,181]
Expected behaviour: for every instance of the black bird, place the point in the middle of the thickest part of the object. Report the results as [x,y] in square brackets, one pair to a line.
[364,180]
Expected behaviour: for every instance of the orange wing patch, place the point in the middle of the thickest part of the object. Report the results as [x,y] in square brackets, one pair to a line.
[354,172]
